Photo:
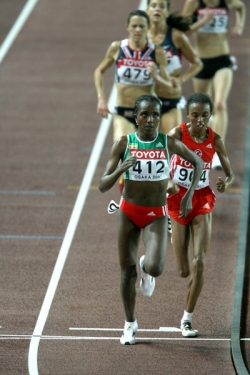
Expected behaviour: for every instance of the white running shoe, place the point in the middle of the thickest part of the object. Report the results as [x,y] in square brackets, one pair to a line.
[169,225]
[187,330]
[234,64]
[216,163]
[128,335]
[147,283]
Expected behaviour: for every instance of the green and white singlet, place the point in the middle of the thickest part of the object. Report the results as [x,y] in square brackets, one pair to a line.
[152,158]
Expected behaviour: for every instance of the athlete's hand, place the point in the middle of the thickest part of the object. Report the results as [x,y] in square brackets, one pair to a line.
[172,187]
[176,83]
[130,162]
[152,69]
[220,185]
[236,31]
[208,16]
[186,205]
[102,108]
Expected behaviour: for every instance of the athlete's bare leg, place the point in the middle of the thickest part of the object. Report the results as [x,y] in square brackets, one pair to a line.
[200,231]
[222,83]
[155,241]
[180,241]
[203,85]
[201,234]
[220,87]
[128,241]
[121,126]
[170,120]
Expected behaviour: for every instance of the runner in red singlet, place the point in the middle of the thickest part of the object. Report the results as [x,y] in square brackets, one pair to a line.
[195,227]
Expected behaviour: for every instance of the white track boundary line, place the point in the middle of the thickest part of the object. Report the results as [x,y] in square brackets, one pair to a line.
[24,15]
[100,338]
[63,253]
[161,329]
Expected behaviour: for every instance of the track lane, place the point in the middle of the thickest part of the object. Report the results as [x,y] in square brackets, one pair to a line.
[79,292]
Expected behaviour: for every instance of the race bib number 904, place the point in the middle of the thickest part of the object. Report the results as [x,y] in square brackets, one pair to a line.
[183,176]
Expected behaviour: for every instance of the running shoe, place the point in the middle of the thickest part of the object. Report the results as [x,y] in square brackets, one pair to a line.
[128,335]
[112,207]
[147,283]
[169,225]
[234,65]
[187,330]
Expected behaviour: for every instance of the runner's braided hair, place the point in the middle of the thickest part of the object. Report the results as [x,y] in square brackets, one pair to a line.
[146,98]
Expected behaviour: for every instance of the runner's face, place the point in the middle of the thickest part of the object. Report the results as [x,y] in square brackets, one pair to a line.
[157,10]
[199,115]
[148,118]
[137,28]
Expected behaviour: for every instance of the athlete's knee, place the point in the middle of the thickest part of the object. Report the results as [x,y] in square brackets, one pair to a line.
[128,274]
[184,272]
[198,266]
[220,105]
[155,269]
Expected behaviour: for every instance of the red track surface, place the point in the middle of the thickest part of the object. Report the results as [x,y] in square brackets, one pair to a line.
[48,127]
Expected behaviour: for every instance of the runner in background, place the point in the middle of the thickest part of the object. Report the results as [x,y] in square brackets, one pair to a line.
[212,46]
[196,227]
[168,31]
[139,65]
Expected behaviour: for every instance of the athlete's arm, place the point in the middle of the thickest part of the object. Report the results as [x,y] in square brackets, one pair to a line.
[170,84]
[190,7]
[181,41]
[240,14]
[107,62]
[179,148]
[113,171]
[223,185]
[176,133]
[208,16]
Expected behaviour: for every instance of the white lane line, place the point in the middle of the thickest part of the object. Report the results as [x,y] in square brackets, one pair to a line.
[63,253]
[26,192]
[84,189]
[137,339]
[17,336]
[13,237]
[24,15]
[100,338]
[161,329]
